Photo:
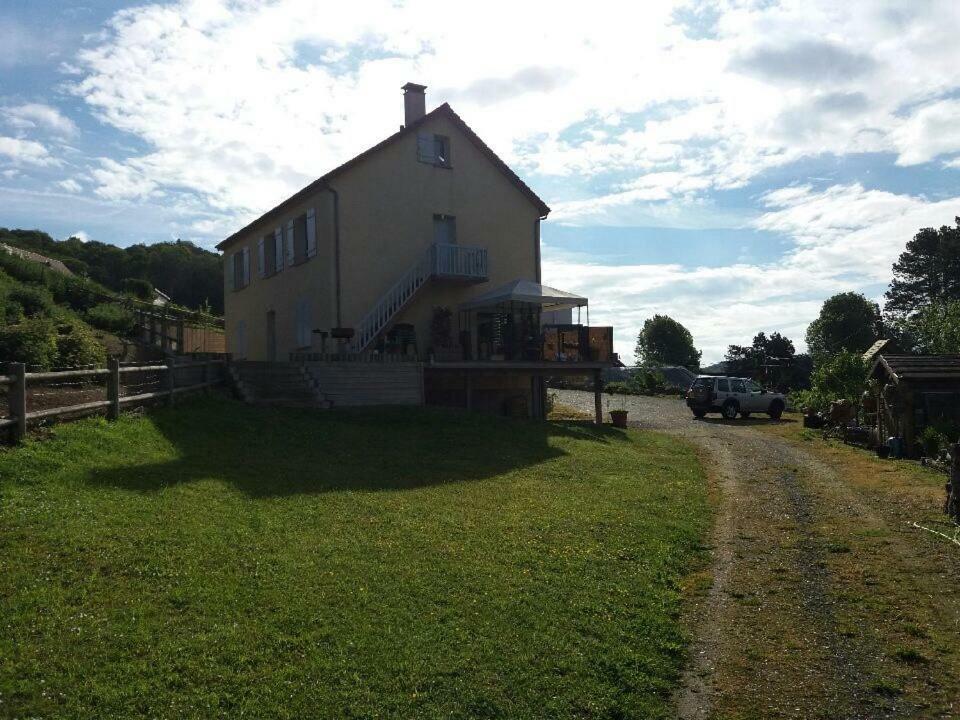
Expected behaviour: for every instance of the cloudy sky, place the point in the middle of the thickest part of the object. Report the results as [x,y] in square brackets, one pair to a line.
[730,163]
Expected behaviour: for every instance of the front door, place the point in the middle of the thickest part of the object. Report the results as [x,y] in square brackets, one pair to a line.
[272,336]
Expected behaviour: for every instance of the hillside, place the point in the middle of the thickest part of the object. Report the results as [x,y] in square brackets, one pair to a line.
[188,274]
[50,320]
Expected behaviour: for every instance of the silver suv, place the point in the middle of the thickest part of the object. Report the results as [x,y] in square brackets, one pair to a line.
[732,396]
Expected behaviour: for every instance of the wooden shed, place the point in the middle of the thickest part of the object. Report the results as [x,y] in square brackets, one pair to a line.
[914,391]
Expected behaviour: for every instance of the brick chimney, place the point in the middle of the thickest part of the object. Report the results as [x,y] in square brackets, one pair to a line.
[414,102]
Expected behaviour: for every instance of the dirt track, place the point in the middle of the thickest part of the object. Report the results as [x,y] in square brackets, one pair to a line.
[788,623]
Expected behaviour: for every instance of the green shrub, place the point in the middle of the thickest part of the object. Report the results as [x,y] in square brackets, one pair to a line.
[32,341]
[932,440]
[33,300]
[111,317]
[618,387]
[139,288]
[77,346]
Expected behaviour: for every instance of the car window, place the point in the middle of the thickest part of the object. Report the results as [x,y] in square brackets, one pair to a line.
[723,385]
[737,386]
[753,387]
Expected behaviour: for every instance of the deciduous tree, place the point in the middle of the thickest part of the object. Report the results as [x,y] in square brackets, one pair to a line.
[664,341]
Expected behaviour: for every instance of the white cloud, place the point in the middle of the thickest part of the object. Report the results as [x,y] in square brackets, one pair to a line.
[116,181]
[80,235]
[846,238]
[26,152]
[930,131]
[38,115]
[273,97]
[70,185]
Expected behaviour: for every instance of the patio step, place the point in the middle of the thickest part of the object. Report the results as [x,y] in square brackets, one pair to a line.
[276,384]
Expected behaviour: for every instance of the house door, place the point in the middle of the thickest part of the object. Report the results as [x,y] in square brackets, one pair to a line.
[272,336]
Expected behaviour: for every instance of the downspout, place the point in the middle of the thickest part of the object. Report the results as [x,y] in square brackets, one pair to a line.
[536,244]
[336,249]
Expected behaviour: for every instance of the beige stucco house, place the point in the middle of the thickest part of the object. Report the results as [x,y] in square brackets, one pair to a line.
[393,253]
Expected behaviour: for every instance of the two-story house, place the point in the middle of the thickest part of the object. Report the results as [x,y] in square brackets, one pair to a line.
[425,247]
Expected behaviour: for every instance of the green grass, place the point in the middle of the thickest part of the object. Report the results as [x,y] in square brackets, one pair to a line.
[222,560]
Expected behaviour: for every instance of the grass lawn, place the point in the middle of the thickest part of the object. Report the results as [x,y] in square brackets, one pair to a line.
[222,560]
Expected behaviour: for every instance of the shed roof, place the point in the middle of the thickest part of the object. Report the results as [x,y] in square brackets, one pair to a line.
[443,110]
[529,292]
[920,367]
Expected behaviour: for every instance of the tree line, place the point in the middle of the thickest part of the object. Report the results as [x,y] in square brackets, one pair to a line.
[188,274]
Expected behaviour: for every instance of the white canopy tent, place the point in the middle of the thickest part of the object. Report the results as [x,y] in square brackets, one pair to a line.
[529,293]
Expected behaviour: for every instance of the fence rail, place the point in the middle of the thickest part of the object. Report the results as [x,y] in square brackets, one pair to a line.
[18,381]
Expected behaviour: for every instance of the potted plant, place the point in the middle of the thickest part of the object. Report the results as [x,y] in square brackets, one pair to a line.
[619,414]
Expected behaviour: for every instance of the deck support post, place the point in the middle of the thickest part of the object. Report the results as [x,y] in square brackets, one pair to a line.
[113,388]
[18,400]
[597,397]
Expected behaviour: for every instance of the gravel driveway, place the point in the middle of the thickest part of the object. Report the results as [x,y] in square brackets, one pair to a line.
[768,642]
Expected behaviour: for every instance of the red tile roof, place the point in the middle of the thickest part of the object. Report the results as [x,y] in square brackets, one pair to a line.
[444,110]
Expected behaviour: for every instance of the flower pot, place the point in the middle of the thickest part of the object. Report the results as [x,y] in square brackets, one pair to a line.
[619,418]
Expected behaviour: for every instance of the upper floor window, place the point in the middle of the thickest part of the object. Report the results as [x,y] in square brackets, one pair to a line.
[241,269]
[433,149]
[300,237]
[444,229]
[270,253]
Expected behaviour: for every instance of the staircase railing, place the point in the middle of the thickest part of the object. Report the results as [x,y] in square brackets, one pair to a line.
[440,260]
[391,302]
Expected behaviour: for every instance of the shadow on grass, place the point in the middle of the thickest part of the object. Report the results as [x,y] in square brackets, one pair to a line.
[269,452]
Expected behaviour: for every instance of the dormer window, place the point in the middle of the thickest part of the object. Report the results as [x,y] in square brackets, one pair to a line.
[433,149]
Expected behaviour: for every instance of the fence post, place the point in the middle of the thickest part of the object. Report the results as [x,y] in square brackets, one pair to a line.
[18,400]
[113,388]
[171,380]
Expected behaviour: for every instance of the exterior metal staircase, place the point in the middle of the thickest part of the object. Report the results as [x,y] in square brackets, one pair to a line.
[440,261]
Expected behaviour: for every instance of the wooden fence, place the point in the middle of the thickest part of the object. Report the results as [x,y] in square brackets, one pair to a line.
[211,372]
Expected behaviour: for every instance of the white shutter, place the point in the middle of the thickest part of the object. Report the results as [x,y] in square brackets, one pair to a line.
[278,249]
[311,233]
[425,147]
[246,266]
[288,241]
[261,258]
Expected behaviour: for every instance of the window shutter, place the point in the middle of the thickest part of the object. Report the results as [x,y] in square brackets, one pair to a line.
[278,249]
[246,266]
[261,258]
[425,147]
[311,233]
[288,241]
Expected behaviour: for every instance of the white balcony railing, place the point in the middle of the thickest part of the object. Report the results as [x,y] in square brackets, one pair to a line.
[459,261]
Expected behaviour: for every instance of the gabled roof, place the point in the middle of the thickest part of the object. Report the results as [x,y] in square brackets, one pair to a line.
[443,110]
[917,367]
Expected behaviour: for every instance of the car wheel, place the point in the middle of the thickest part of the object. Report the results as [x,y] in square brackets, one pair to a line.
[730,409]
[699,414]
[776,410]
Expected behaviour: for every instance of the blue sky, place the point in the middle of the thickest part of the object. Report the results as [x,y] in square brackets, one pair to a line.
[730,162]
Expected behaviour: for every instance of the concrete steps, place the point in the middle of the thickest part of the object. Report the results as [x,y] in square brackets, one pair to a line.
[331,384]
[286,384]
